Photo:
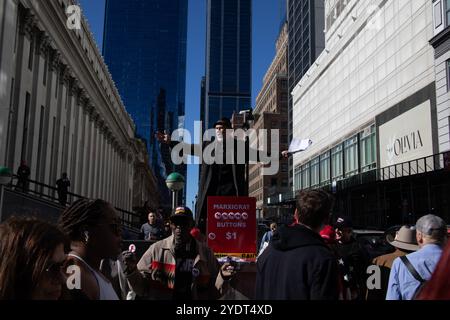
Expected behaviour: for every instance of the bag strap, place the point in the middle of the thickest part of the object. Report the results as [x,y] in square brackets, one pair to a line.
[411,269]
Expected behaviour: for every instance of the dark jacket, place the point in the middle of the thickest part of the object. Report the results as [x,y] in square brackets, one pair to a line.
[385,263]
[207,178]
[297,265]
[354,260]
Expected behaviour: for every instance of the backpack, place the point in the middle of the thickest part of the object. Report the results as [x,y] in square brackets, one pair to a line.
[416,276]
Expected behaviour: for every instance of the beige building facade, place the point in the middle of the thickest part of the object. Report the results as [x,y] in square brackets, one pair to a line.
[59,108]
[271,113]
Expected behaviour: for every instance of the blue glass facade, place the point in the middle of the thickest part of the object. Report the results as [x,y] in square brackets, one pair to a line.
[145,49]
[228,54]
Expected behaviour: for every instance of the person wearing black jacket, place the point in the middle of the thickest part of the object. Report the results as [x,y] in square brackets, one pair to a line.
[353,258]
[220,178]
[297,264]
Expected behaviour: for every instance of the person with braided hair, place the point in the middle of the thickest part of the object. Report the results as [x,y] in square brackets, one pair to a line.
[94,231]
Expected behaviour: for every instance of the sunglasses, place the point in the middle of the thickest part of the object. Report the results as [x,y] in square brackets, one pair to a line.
[181,223]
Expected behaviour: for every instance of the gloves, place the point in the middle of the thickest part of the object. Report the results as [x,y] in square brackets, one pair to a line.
[129,262]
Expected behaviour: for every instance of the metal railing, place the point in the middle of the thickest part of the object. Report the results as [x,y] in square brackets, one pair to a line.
[47,193]
[414,167]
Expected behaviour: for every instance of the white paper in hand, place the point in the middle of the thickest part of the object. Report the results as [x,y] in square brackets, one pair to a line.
[298,145]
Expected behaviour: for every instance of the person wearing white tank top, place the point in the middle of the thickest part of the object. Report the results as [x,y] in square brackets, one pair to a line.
[106,290]
[94,231]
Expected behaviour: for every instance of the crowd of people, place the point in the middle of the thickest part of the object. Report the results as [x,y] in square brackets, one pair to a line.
[81,258]
[312,260]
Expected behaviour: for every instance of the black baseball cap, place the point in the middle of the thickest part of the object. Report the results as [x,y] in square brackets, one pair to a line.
[343,222]
[224,122]
[182,214]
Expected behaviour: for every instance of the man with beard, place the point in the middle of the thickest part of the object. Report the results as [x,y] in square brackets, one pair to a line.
[178,267]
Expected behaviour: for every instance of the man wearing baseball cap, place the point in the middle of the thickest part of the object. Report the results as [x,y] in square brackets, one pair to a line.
[410,272]
[178,267]
[353,259]
[404,243]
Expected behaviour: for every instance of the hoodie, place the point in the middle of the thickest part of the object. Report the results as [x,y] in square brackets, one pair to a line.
[297,265]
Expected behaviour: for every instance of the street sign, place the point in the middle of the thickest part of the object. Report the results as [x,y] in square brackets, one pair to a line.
[231,227]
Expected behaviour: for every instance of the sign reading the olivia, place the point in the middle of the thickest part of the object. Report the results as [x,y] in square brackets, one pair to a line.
[232,226]
[407,137]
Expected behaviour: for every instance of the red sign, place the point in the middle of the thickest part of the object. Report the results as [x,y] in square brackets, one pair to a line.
[232,226]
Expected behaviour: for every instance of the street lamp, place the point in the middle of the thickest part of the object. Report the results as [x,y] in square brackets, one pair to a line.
[175,182]
[5,176]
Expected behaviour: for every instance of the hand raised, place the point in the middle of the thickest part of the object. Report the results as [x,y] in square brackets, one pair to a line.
[163,137]
[227,271]
[129,262]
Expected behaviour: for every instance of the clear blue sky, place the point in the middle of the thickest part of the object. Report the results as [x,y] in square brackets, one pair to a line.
[267,17]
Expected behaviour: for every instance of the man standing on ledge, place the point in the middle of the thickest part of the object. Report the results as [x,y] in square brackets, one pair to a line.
[217,179]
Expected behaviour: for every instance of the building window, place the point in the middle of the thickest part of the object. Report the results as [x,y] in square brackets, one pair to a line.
[351,156]
[325,168]
[448,12]
[305,176]
[448,74]
[298,179]
[274,182]
[437,6]
[368,149]
[440,15]
[315,172]
[337,168]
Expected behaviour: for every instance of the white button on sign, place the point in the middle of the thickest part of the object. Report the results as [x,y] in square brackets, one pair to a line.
[212,236]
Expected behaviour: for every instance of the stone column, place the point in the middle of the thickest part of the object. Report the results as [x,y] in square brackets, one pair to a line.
[8,13]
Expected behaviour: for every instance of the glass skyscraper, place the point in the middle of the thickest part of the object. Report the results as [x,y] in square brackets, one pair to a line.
[144,46]
[228,59]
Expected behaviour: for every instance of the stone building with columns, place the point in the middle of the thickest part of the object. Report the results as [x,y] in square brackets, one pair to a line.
[60,110]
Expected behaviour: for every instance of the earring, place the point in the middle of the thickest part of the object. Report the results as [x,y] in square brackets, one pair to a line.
[86,236]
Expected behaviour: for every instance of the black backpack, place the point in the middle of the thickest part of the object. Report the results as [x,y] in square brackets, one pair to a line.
[416,276]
